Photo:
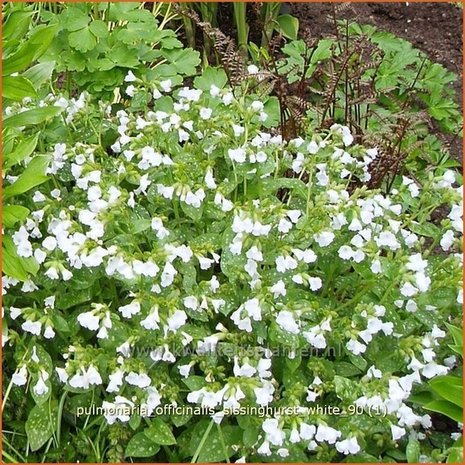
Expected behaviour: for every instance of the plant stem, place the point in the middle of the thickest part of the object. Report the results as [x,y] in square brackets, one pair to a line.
[202,442]
[240,10]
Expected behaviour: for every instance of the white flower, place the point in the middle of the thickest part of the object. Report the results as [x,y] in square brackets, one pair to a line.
[130,77]
[176,320]
[376,267]
[166,85]
[447,240]
[387,239]
[214,90]
[49,243]
[328,434]
[152,319]
[284,263]
[373,372]
[62,374]
[209,179]
[416,263]
[284,226]
[315,283]
[252,69]
[264,449]
[345,252]
[116,381]
[32,327]
[286,321]
[307,256]
[184,370]
[41,388]
[273,434]
[237,155]
[49,333]
[205,113]
[348,446]
[257,105]
[19,377]
[130,309]
[278,289]
[433,369]
[397,432]
[89,320]
[324,238]
[138,379]
[356,347]
[130,90]
[86,378]
[408,290]
[307,432]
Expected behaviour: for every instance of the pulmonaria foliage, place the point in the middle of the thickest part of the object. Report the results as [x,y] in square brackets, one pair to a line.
[197,258]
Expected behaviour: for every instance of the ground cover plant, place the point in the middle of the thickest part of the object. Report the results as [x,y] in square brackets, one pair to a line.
[193,272]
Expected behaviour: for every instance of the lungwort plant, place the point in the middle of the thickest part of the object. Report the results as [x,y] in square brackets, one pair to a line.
[213,288]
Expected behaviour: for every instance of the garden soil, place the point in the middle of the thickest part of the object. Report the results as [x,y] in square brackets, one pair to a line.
[435,28]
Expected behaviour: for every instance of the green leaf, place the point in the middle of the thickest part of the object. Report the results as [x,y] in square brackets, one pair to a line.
[185,61]
[413,451]
[346,369]
[13,265]
[211,76]
[212,450]
[29,51]
[160,433]
[40,73]
[449,387]
[456,334]
[455,455]
[16,24]
[39,425]
[288,26]
[194,382]
[17,87]
[141,446]
[99,29]
[22,150]
[445,408]
[32,176]
[273,185]
[74,19]
[29,117]
[425,229]
[82,40]
[13,214]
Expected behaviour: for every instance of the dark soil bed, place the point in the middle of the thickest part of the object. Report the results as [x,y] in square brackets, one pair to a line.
[435,28]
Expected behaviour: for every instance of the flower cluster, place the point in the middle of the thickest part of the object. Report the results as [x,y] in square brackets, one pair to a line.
[197,241]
